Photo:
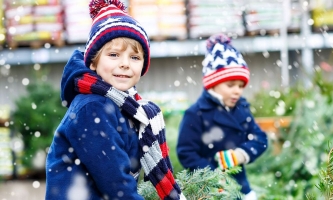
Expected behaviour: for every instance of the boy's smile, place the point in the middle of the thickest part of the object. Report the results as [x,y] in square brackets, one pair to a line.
[122,76]
[119,66]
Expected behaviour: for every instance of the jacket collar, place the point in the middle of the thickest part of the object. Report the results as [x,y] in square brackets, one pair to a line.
[234,118]
[207,102]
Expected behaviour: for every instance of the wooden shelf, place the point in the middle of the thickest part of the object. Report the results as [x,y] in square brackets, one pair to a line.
[21,56]
[2,122]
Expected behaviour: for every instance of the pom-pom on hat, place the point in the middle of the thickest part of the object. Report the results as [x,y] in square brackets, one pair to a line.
[110,21]
[222,62]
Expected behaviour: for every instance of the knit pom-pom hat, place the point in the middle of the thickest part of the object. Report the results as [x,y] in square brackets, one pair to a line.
[110,21]
[222,62]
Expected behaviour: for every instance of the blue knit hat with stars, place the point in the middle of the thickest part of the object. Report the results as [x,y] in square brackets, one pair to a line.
[223,62]
[110,21]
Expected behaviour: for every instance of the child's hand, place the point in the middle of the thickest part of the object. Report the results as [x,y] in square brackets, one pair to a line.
[229,158]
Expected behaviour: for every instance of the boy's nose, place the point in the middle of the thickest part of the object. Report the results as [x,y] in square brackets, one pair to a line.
[124,63]
[238,90]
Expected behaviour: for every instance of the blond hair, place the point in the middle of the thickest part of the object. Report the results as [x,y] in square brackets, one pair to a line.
[135,45]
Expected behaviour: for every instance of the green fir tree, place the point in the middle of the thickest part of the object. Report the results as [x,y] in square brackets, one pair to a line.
[37,115]
[293,173]
[201,184]
[325,185]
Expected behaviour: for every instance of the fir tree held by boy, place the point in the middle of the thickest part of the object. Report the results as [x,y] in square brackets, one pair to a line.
[109,133]
[218,130]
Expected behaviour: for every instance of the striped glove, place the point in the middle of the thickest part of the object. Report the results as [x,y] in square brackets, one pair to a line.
[226,159]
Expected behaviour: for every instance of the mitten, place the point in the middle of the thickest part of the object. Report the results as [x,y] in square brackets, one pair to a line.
[226,159]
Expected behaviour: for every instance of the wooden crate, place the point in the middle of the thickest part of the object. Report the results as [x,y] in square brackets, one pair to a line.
[272,125]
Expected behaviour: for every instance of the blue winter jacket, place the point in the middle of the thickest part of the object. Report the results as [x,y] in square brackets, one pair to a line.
[95,151]
[207,127]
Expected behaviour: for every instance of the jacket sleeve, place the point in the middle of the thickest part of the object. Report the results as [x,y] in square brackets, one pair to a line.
[101,149]
[256,142]
[190,141]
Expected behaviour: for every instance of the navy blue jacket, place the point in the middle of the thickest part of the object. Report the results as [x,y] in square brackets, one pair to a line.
[94,150]
[207,127]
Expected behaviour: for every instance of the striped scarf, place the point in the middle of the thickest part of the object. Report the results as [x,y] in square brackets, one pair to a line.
[154,156]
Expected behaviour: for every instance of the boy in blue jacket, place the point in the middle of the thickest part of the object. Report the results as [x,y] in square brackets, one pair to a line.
[108,133]
[218,130]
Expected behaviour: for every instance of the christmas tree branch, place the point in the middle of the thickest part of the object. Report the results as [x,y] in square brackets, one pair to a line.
[330,164]
[201,184]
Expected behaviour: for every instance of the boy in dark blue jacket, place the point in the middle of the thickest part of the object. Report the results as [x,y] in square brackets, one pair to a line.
[108,133]
[218,130]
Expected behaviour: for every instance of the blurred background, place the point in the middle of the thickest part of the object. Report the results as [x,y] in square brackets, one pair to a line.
[287,45]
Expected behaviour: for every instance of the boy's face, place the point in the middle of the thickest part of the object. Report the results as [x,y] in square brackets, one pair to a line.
[118,66]
[231,91]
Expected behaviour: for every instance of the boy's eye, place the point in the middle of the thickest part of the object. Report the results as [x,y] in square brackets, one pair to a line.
[113,54]
[135,57]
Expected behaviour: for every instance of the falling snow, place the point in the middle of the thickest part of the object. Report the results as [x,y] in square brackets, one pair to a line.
[173,82]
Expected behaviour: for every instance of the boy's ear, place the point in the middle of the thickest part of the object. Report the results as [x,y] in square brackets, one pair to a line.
[92,67]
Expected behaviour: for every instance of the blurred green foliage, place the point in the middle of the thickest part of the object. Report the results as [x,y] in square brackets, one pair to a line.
[171,127]
[283,101]
[37,115]
[325,184]
[294,172]
[279,102]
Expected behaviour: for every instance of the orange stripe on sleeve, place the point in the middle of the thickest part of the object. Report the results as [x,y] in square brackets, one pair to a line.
[234,158]
[224,164]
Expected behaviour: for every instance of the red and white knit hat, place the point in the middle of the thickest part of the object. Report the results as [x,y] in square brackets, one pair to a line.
[110,21]
[223,62]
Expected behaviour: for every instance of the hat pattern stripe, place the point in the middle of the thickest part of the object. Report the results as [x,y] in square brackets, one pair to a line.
[102,32]
[116,26]
[228,76]
[210,72]
[240,71]
[107,12]
[226,71]
[237,66]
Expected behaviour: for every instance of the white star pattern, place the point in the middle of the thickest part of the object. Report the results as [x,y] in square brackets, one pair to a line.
[219,62]
[231,58]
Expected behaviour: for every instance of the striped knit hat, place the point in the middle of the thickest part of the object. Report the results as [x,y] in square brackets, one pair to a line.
[110,21]
[223,62]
